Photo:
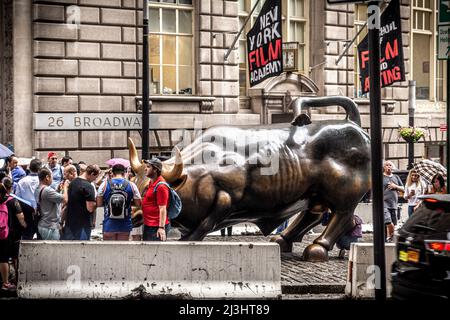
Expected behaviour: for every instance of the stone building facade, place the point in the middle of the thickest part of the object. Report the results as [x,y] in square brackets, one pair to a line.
[80,61]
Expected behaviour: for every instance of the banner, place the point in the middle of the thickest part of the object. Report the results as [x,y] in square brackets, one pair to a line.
[392,66]
[264,44]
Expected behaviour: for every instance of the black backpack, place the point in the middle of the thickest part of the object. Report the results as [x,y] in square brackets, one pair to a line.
[117,202]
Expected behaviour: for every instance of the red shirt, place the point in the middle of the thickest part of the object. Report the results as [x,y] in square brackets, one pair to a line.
[152,201]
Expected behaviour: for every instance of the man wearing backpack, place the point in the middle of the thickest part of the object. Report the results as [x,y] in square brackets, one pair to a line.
[116,195]
[155,203]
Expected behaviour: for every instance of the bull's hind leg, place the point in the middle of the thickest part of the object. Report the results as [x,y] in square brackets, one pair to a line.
[304,222]
[340,223]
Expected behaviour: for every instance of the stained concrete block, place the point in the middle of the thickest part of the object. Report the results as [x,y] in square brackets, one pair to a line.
[55,139]
[82,50]
[118,17]
[100,33]
[100,68]
[49,49]
[119,86]
[91,157]
[83,85]
[55,67]
[49,85]
[209,270]
[100,103]
[103,139]
[118,51]
[48,12]
[54,31]
[65,103]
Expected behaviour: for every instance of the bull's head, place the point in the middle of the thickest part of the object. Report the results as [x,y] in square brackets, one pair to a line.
[172,173]
[172,170]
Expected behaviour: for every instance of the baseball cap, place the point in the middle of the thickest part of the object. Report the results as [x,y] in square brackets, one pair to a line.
[51,154]
[155,162]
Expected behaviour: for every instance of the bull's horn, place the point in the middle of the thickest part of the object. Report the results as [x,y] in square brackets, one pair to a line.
[134,159]
[172,172]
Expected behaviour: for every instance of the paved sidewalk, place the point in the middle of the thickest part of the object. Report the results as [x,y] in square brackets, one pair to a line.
[306,278]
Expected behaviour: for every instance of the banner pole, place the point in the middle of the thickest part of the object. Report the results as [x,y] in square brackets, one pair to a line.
[411,111]
[376,151]
[145,84]
[240,31]
[448,119]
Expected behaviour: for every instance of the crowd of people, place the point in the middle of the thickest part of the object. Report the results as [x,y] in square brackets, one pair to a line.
[414,187]
[58,201]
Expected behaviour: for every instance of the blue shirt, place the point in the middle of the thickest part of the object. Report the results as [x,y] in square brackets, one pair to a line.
[57,176]
[117,225]
[17,174]
[26,188]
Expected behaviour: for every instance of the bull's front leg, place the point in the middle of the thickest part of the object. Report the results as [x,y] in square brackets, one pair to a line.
[220,209]
[305,221]
[340,223]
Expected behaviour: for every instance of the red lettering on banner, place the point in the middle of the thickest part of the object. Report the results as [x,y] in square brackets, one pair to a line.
[366,84]
[261,56]
[274,54]
[364,58]
[389,52]
[391,75]
[253,58]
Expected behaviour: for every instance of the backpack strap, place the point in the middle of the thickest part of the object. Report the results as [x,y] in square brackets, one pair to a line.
[161,182]
[40,194]
[123,188]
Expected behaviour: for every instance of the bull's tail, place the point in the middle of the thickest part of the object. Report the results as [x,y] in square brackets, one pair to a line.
[348,104]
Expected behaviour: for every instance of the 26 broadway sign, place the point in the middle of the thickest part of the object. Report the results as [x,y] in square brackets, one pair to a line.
[264,43]
[391,64]
[87,121]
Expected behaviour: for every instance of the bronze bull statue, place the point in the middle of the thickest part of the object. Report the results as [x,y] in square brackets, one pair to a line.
[267,174]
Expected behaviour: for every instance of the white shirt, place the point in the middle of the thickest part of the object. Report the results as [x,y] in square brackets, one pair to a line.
[419,188]
[26,187]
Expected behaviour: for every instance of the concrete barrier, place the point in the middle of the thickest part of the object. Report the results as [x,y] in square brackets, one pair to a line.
[364,210]
[118,270]
[361,274]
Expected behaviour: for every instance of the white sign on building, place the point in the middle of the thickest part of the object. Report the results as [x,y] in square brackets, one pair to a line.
[444,30]
[87,121]
[444,43]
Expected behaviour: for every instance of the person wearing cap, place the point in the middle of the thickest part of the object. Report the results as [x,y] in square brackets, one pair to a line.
[55,169]
[117,228]
[155,203]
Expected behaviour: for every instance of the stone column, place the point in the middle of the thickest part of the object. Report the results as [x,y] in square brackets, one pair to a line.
[23,105]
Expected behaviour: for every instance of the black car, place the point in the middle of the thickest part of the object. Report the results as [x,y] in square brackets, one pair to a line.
[422,268]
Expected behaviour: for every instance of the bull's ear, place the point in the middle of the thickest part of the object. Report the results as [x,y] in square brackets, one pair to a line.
[301,120]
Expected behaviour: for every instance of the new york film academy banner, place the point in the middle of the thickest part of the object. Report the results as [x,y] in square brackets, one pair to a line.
[392,66]
[264,44]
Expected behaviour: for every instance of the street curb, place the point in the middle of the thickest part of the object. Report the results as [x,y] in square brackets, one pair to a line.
[313,288]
